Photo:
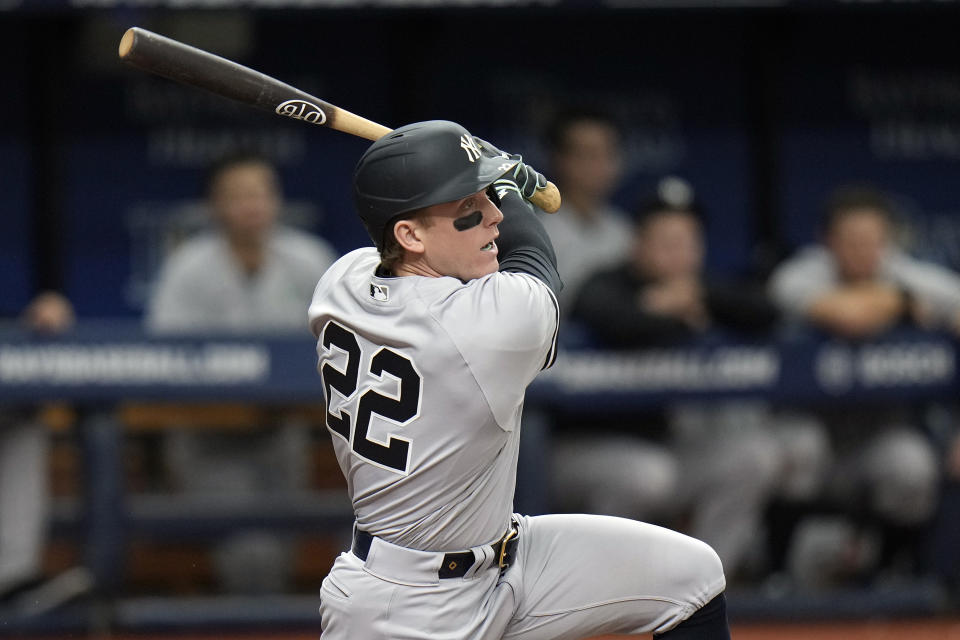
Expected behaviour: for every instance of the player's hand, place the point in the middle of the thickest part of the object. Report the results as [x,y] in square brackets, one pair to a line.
[522,178]
[49,312]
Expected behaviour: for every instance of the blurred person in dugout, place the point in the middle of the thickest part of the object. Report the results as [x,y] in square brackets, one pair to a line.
[588,231]
[880,468]
[713,466]
[248,275]
[943,554]
[24,489]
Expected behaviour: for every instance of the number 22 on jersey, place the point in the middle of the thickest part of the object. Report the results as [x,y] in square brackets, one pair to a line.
[351,419]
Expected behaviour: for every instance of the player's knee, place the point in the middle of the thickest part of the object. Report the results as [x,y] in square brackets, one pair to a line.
[758,462]
[709,622]
[807,455]
[904,477]
[712,565]
[701,570]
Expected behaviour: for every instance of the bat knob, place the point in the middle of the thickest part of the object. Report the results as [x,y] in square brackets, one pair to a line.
[547,199]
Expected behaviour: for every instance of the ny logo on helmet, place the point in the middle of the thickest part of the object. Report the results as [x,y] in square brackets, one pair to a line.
[468,144]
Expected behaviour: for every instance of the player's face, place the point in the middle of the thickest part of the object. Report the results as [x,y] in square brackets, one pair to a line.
[858,241]
[590,162]
[246,200]
[669,246]
[459,237]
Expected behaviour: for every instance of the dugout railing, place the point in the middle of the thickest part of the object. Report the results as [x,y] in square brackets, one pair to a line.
[98,367]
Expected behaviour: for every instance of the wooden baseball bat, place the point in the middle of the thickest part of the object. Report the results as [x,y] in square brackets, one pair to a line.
[189,65]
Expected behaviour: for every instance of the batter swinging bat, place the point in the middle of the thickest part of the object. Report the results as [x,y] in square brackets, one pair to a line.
[181,62]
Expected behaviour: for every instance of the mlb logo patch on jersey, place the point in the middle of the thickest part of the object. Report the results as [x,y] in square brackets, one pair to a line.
[379,292]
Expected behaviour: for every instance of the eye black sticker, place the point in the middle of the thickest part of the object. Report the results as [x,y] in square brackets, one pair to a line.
[468,221]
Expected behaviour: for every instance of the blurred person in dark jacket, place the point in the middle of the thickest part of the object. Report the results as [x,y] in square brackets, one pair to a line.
[660,295]
[715,463]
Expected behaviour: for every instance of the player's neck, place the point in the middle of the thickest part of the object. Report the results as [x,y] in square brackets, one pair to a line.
[415,268]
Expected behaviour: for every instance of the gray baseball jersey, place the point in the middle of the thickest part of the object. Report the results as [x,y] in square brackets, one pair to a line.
[202,288]
[812,272]
[424,387]
[424,380]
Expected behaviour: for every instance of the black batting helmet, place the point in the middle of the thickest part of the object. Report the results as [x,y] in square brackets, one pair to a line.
[419,165]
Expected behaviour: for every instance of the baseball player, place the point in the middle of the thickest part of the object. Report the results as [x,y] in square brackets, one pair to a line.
[426,345]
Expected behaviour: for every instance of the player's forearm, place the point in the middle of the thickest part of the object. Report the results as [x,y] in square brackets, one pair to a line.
[858,312]
[524,245]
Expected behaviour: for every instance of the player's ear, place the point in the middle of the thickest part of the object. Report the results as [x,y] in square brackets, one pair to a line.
[408,235]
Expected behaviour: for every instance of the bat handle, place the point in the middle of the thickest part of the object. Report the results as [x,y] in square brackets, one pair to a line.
[547,198]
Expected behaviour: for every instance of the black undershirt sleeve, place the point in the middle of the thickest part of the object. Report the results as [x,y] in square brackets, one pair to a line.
[524,245]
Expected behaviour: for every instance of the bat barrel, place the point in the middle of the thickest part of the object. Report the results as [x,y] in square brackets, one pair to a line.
[189,65]
[182,63]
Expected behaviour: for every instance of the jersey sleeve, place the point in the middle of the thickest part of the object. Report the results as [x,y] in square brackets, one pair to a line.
[935,286]
[798,282]
[505,328]
[177,300]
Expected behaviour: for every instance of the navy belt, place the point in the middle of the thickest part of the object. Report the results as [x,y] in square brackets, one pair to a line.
[455,564]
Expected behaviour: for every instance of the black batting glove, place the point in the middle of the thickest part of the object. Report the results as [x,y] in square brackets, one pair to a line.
[522,178]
